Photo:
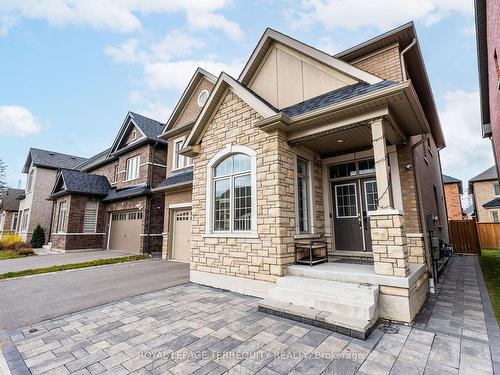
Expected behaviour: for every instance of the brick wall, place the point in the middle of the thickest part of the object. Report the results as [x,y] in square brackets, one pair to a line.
[192,109]
[453,201]
[7,222]
[267,256]
[484,191]
[385,63]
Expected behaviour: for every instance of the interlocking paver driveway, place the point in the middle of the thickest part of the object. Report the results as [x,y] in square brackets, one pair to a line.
[194,329]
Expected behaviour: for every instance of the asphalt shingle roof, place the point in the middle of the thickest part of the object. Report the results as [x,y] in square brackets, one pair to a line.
[493,203]
[133,191]
[9,201]
[186,175]
[334,97]
[451,180]
[84,183]
[489,174]
[54,160]
[94,160]
[151,128]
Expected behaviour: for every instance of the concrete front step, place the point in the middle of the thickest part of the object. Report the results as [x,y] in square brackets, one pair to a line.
[364,309]
[361,292]
[346,325]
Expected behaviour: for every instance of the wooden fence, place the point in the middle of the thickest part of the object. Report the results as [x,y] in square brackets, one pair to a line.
[467,236]
[464,236]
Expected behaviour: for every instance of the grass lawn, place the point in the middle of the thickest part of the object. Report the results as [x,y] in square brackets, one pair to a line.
[490,265]
[73,266]
[10,255]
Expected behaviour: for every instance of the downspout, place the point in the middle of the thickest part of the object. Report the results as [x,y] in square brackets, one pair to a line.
[402,59]
[421,207]
[150,198]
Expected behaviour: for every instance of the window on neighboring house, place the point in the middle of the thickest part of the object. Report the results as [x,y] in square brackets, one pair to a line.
[497,189]
[132,168]
[90,217]
[24,224]
[232,194]
[303,202]
[115,175]
[494,216]
[180,161]
[61,224]
[133,135]
[15,216]
[30,181]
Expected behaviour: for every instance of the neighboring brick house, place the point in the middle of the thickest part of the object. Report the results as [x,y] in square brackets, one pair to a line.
[485,191]
[9,207]
[488,55]
[179,180]
[109,202]
[304,146]
[41,168]
[453,192]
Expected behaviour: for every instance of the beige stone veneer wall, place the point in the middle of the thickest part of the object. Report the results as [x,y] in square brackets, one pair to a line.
[266,256]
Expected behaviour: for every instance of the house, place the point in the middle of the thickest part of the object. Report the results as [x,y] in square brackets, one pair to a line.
[9,207]
[108,203]
[307,146]
[485,191]
[177,186]
[41,168]
[488,57]
[453,192]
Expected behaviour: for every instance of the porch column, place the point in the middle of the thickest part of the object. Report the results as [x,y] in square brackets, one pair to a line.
[390,252]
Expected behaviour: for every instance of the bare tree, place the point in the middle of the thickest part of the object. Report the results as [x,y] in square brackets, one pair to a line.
[3,181]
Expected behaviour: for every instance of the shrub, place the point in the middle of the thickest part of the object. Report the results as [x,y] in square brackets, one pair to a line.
[10,242]
[26,251]
[38,237]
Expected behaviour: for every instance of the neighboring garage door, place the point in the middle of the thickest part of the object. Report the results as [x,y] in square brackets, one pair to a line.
[182,235]
[126,231]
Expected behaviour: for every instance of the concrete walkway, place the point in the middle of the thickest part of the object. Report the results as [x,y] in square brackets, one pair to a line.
[40,261]
[194,329]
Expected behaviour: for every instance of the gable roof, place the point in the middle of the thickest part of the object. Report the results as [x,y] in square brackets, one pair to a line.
[129,192]
[177,178]
[96,160]
[495,202]
[9,200]
[270,36]
[334,96]
[406,36]
[149,128]
[198,75]
[225,82]
[489,174]
[76,182]
[450,180]
[51,160]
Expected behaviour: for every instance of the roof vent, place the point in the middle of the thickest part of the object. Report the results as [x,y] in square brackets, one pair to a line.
[51,153]
[73,158]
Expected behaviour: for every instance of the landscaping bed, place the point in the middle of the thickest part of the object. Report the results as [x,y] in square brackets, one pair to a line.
[12,246]
[490,265]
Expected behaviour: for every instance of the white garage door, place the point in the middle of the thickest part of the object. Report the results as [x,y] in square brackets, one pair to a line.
[125,233]
[182,235]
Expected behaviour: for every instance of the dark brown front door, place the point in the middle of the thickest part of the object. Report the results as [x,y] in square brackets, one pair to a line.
[347,217]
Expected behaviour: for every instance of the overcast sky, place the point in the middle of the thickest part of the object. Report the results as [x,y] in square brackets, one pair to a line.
[71,69]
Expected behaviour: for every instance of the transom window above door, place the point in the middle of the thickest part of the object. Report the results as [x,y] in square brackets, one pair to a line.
[353,168]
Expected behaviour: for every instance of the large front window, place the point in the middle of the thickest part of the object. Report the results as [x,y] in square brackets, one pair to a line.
[232,181]
[132,171]
[90,217]
[61,224]
[24,223]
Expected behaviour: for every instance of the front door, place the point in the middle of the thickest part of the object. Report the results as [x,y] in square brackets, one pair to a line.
[182,236]
[352,200]
[347,217]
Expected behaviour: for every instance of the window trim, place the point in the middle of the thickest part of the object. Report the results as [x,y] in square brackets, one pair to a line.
[15,217]
[210,197]
[356,200]
[138,167]
[59,230]
[310,193]
[29,182]
[492,213]
[184,161]
[199,96]
[96,217]
[115,175]
[366,182]
[495,190]
[25,225]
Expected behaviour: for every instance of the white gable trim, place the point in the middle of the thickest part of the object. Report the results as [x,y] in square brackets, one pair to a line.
[225,83]
[271,35]
[129,120]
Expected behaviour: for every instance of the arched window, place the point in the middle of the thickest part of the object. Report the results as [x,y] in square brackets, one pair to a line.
[231,194]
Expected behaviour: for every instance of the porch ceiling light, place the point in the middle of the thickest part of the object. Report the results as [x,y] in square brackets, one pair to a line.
[340,140]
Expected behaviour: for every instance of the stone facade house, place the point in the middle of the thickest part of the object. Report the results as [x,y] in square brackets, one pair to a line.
[34,208]
[109,203]
[178,183]
[488,55]
[305,147]
[9,207]
[485,191]
[452,192]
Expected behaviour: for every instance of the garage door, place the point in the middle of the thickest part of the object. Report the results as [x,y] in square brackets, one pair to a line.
[182,235]
[126,231]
